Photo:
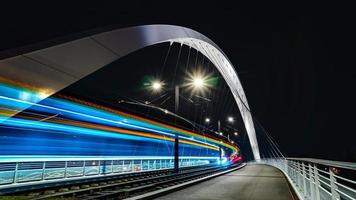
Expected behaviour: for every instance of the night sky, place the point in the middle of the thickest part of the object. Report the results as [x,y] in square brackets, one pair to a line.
[295,61]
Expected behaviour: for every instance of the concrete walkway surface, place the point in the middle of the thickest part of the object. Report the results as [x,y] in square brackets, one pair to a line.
[260,182]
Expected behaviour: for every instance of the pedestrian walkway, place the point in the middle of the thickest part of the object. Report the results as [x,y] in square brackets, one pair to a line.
[251,182]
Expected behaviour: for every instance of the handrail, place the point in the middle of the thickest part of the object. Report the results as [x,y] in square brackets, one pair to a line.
[25,171]
[332,163]
[316,178]
[7,159]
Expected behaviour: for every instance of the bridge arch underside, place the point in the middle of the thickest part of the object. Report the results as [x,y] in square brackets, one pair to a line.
[54,68]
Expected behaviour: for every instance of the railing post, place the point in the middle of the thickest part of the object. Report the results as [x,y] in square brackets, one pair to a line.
[295,168]
[43,170]
[65,168]
[334,194]
[286,167]
[112,167]
[291,168]
[312,182]
[100,168]
[297,173]
[15,173]
[84,168]
[300,177]
[304,180]
[317,183]
[291,163]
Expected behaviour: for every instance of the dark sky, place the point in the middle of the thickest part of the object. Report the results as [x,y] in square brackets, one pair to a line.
[295,61]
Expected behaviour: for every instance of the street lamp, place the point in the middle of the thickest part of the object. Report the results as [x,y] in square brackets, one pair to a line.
[235,133]
[197,83]
[230,119]
[207,120]
[156,85]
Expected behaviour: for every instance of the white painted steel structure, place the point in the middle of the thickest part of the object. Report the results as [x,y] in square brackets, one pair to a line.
[54,68]
[317,179]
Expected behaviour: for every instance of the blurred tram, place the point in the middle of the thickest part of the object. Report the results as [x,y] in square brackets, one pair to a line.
[61,137]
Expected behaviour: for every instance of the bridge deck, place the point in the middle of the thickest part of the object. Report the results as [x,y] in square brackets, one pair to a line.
[250,182]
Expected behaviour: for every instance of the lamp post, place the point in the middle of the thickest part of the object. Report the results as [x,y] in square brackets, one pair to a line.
[230,119]
[219,124]
[176,139]
[176,94]
[197,83]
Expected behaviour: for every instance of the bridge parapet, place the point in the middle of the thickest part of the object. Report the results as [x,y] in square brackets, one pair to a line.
[30,172]
[316,178]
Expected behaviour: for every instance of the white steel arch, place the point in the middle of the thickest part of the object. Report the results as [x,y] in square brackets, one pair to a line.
[54,68]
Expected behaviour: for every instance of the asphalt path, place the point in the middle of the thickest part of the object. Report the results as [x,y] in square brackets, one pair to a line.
[251,182]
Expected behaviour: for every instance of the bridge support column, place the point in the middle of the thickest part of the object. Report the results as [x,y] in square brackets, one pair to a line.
[176,154]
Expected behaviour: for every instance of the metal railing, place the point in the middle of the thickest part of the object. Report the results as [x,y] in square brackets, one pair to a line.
[318,179]
[17,172]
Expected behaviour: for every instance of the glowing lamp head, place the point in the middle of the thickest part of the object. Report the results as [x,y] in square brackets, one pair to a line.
[207,120]
[230,119]
[156,86]
[198,82]
[235,133]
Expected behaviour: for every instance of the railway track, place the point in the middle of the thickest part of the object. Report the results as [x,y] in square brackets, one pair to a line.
[125,186]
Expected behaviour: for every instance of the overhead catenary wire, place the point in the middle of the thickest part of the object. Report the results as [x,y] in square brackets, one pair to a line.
[156,99]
